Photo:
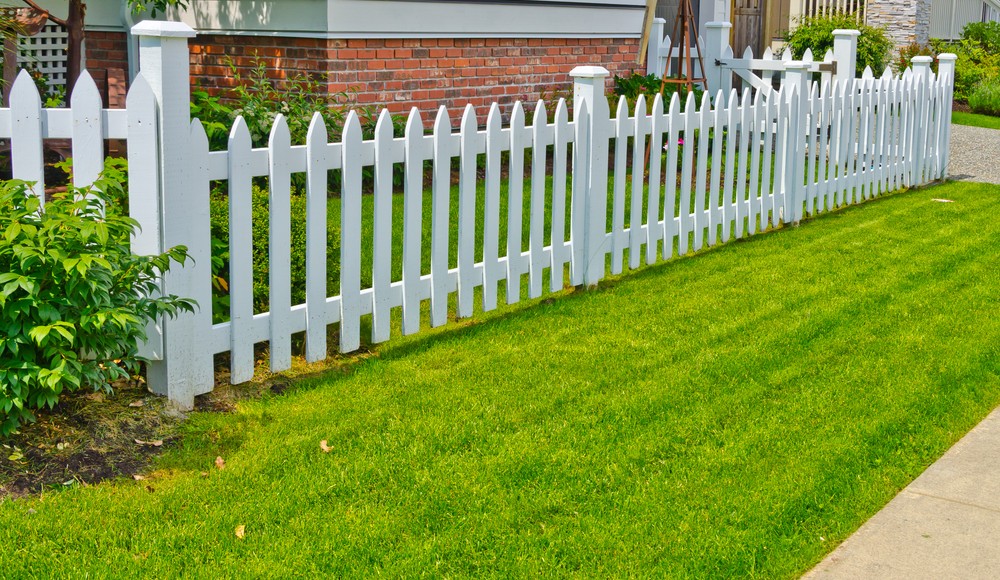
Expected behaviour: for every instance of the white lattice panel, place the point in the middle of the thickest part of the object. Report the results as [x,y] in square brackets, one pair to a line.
[46,52]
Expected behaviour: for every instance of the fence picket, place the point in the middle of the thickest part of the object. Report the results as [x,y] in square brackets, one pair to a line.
[705,118]
[350,234]
[492,270]
[580,185]
[624,127]
[445,147]
[766,195]
[88,134]
[743,160]
[241,253]
[812,148]
[26,157]
[690,123]
[559,255]
[280,244]
[674,125]
[472,143]
[541,138]
[316,247]
[643,126]
[753,131]
[386,153]
[515,203]
[413,194]
[719,116]
[732,133]
[653,233]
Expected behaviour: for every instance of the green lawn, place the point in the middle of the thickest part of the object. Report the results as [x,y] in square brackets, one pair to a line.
[734,414]
[975,120]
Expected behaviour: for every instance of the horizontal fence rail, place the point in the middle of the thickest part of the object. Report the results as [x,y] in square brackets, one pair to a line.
[553,197]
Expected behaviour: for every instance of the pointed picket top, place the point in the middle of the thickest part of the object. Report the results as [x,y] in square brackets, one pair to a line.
[640,106]
[317,129]
[758,96]
[886,74]
[562,113]
[786,55]
[748,53]
[622,112]
[493,118]
[239,135]
[706,102]
[541,116]
[674,107]
[768,54]
[469,120]
[690,104]
[813,90]
[280,135]
[658,103]
[727,52]
[25,91]
[85,92]
[720,99]
[414,124]
[139,92]
[828,57]
[352,127]
[867,73]
[442,123]
[199,139]
[807,56]
[747,97]
[907,73]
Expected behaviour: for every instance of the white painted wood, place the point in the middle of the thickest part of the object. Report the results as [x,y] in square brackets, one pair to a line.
[413,191]
[88,137]
[350,235]
[241,272]
[674,124]
[279,244]
[705,118]
[656,145]
[515,202]
[732,132]
[719,116]
[445,147]
[823,149]
[27,160]
[472,143]
[541,137]
[560,256]
[382,228]
[316,234]
[754,134]
[743,156]
[812,148]
[580,191]
[642,128]
[492,268]
[686,225]
[624,126]
[143,190]
[781,164]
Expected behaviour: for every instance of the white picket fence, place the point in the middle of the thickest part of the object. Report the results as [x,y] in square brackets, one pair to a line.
[840,144]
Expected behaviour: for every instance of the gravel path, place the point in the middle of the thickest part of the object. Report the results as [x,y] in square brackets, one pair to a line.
[975,154]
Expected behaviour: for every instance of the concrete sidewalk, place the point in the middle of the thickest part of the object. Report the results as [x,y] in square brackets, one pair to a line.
[946,524]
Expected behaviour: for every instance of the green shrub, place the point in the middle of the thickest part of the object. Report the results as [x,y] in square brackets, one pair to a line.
[74,299]
[985,34]
[635,84]
[975,65]
[816,33]
[906,54]
[985,98]
[219,212]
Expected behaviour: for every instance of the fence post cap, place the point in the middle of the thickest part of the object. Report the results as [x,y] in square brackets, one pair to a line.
[718,25]
[846,32]
[922,60]
[160,29]
[659,20]
[589,72]
[944,57]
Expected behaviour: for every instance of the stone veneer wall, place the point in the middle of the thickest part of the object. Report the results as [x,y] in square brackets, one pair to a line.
[906,21]
[401,73]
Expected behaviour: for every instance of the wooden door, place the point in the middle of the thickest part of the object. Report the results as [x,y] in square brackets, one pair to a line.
[747,19]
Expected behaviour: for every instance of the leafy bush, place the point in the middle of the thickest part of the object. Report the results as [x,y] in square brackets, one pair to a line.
[816,33]
[985,98]
[636,84]
[985,34]
[975,65]
[74,299]
[913,49]
[219,212]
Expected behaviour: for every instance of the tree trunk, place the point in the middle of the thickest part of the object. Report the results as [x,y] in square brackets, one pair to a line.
[74,44]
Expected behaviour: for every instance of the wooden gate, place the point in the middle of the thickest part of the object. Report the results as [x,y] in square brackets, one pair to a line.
[747,17]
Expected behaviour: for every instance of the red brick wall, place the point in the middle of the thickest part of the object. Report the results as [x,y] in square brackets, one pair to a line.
[107,61]
[403,73]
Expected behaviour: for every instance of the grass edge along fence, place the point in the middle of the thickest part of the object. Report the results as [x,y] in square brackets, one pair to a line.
[829,144]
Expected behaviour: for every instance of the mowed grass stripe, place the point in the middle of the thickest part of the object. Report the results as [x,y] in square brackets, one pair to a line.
[734,414]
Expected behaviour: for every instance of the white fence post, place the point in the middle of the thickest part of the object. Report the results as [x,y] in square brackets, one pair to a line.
[589,86]
[797,77]
[845,53]
[717,77]
[654,47]
[946,71]
[186,367]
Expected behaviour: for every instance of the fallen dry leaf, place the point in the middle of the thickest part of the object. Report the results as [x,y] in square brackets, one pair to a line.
[138,477]
[138,403]
[157,443]
[943,200]
[220,463]
[241,531]
[326,448]
[204,474]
